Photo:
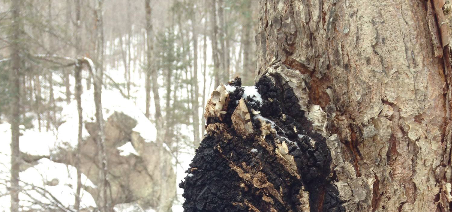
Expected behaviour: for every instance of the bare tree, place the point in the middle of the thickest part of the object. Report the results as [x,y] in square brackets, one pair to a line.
[15,71]
[78,93]
[246,42]
[214,39]
[67,82]
[97,74]
[204,51]
[195,78]
[149,51]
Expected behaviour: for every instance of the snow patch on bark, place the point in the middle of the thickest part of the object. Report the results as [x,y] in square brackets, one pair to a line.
[251,92]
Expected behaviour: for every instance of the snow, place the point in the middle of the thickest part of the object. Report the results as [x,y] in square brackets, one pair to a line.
[60,179]
[91,64]
[37,143]
[230,88]
[265,120]
[254,150]
[112,102]
[127,149]
[47,172]
[130,207]
[251,91]
[166,147]
[56,178]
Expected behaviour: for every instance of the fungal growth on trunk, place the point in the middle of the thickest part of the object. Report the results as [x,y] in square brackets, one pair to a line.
[260,153]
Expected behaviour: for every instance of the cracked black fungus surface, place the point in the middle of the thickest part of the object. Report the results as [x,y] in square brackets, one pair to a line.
[212,184]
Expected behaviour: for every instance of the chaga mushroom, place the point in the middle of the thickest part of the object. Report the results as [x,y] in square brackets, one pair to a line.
[260,153]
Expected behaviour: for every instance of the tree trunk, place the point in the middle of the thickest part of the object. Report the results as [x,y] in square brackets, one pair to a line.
[213,36]
[129,46]
[383,89]
[97,72]
[148,56]
[222,32]
[14,83]
[195,80]
[124,53]
[152,69]
[358,107]
[67,82]
[204,52]
[38,97]
[246,42]
[78,93]
[51,111]
[51,104]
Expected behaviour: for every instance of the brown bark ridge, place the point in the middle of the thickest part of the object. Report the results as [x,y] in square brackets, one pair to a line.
[370,68]
[369,78]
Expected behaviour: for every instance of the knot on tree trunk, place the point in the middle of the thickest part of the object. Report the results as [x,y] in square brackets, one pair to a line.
[260,153]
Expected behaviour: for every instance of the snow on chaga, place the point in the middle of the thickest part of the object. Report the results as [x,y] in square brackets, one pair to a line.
[260,154]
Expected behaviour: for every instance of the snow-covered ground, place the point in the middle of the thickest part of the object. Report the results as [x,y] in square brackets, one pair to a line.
[48,180]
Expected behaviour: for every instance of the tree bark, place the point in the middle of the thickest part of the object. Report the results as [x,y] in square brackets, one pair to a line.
[38,98]
[14,83]
[97,73]
[204,51]
[213,36]
[195,80]
[376,99]
[222,32]
[147,6]
[383,91]
[246,42]
[51,111]
[78,93]
[124,54]
[67,82]
[152,69]
[129,46]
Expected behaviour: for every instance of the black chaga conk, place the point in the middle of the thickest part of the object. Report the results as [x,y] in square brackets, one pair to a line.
[260,154]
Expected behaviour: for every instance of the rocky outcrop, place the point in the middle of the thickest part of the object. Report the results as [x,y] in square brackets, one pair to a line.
[132,176]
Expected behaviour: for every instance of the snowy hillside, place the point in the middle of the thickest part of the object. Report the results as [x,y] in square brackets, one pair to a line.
[52,182]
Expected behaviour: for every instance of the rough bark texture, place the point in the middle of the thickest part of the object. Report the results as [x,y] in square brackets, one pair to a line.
[364,73]
[371,66]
